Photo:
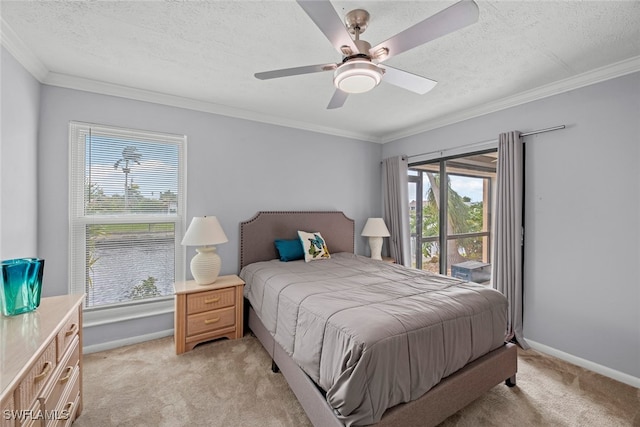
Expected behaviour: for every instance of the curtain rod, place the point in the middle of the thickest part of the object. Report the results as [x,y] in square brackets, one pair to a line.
[534,132]
[492,141]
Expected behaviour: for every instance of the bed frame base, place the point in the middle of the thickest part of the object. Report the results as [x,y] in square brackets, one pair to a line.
[448,397]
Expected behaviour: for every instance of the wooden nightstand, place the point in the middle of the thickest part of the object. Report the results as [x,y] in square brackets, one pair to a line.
[206,312]
[388,259]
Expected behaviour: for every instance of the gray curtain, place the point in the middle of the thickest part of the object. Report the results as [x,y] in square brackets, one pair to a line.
[508,241]
[395,198]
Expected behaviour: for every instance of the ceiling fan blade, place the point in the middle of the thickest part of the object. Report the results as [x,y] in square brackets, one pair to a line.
[453,18]
[326,18]
[337,100]
[295,71]
[407,80]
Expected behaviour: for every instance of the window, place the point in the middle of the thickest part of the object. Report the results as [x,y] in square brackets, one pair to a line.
[450,213]
[127,192]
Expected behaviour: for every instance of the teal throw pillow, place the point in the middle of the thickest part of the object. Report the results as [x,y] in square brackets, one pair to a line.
[289,250]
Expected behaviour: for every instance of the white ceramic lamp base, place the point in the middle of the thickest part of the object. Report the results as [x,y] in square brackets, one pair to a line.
[375,243]
[205,266]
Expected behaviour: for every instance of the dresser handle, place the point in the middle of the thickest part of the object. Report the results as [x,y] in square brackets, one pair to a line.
[210,321]
[72,330]
[210,300]
[66,377]
[45,371]
[67,408]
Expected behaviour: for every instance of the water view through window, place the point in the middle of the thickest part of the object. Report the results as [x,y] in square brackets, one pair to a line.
[129,262]
[127,209]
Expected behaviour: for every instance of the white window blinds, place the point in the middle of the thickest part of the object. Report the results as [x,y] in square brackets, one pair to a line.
[126,211]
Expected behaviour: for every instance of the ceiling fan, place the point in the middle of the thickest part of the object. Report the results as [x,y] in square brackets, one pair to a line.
[360,69]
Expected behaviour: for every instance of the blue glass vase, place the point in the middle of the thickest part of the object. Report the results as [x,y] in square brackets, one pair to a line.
[21,285]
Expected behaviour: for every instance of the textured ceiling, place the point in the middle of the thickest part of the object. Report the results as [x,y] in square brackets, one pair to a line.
[203,54]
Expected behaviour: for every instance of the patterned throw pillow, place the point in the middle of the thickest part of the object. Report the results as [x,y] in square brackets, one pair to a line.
[314,246]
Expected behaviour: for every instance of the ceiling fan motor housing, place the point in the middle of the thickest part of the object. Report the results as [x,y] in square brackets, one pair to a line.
[357,74]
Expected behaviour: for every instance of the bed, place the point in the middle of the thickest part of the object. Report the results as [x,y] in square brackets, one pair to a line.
[328,382]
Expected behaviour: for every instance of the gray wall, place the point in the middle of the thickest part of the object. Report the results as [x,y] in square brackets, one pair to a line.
[582,216]
[18,162]
[235,168]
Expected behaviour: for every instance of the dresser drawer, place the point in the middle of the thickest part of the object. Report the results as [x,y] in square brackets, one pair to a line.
[39,374]
[210,300]
[210,321]
[68,332]
[62,378]
[33,417]
[8,406]
[68,407]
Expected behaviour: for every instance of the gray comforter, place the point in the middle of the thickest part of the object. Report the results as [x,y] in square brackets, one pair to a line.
[373,334]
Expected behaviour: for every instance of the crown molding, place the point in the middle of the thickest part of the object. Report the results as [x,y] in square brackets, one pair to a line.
[95,86]
[10,40]
[597,75]
[19,50]
[16,47]
[608,72]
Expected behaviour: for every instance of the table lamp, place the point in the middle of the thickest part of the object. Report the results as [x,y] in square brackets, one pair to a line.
[205,231]
[375,229]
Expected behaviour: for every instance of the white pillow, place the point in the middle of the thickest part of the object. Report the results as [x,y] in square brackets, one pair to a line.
[314,246]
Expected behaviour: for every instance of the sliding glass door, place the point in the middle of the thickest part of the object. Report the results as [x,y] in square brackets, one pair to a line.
[450,215]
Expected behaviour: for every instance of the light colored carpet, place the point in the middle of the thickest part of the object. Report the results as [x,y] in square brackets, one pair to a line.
[230,383]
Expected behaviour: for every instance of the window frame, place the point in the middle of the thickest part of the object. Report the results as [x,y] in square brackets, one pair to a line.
[78,222]
[444,237]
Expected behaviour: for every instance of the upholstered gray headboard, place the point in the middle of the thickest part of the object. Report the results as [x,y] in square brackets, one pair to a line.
[258,233]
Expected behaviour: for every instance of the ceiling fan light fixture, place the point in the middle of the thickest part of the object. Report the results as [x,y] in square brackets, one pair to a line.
[357,76]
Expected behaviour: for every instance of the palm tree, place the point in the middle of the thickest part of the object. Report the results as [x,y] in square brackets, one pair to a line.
[457,214]
[129,154]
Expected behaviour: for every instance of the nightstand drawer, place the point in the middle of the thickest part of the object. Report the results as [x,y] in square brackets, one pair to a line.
[210,321]
[37,377]
[210,300]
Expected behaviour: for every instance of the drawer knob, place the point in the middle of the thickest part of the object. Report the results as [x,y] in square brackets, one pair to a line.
[46,368]
[210,321]
[72,330]
[211,300]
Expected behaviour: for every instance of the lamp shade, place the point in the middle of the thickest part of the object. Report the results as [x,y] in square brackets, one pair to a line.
[375,227]
[203,231]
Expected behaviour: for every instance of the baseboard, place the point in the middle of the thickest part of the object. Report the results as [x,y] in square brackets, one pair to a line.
[600,369]
[126,341]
